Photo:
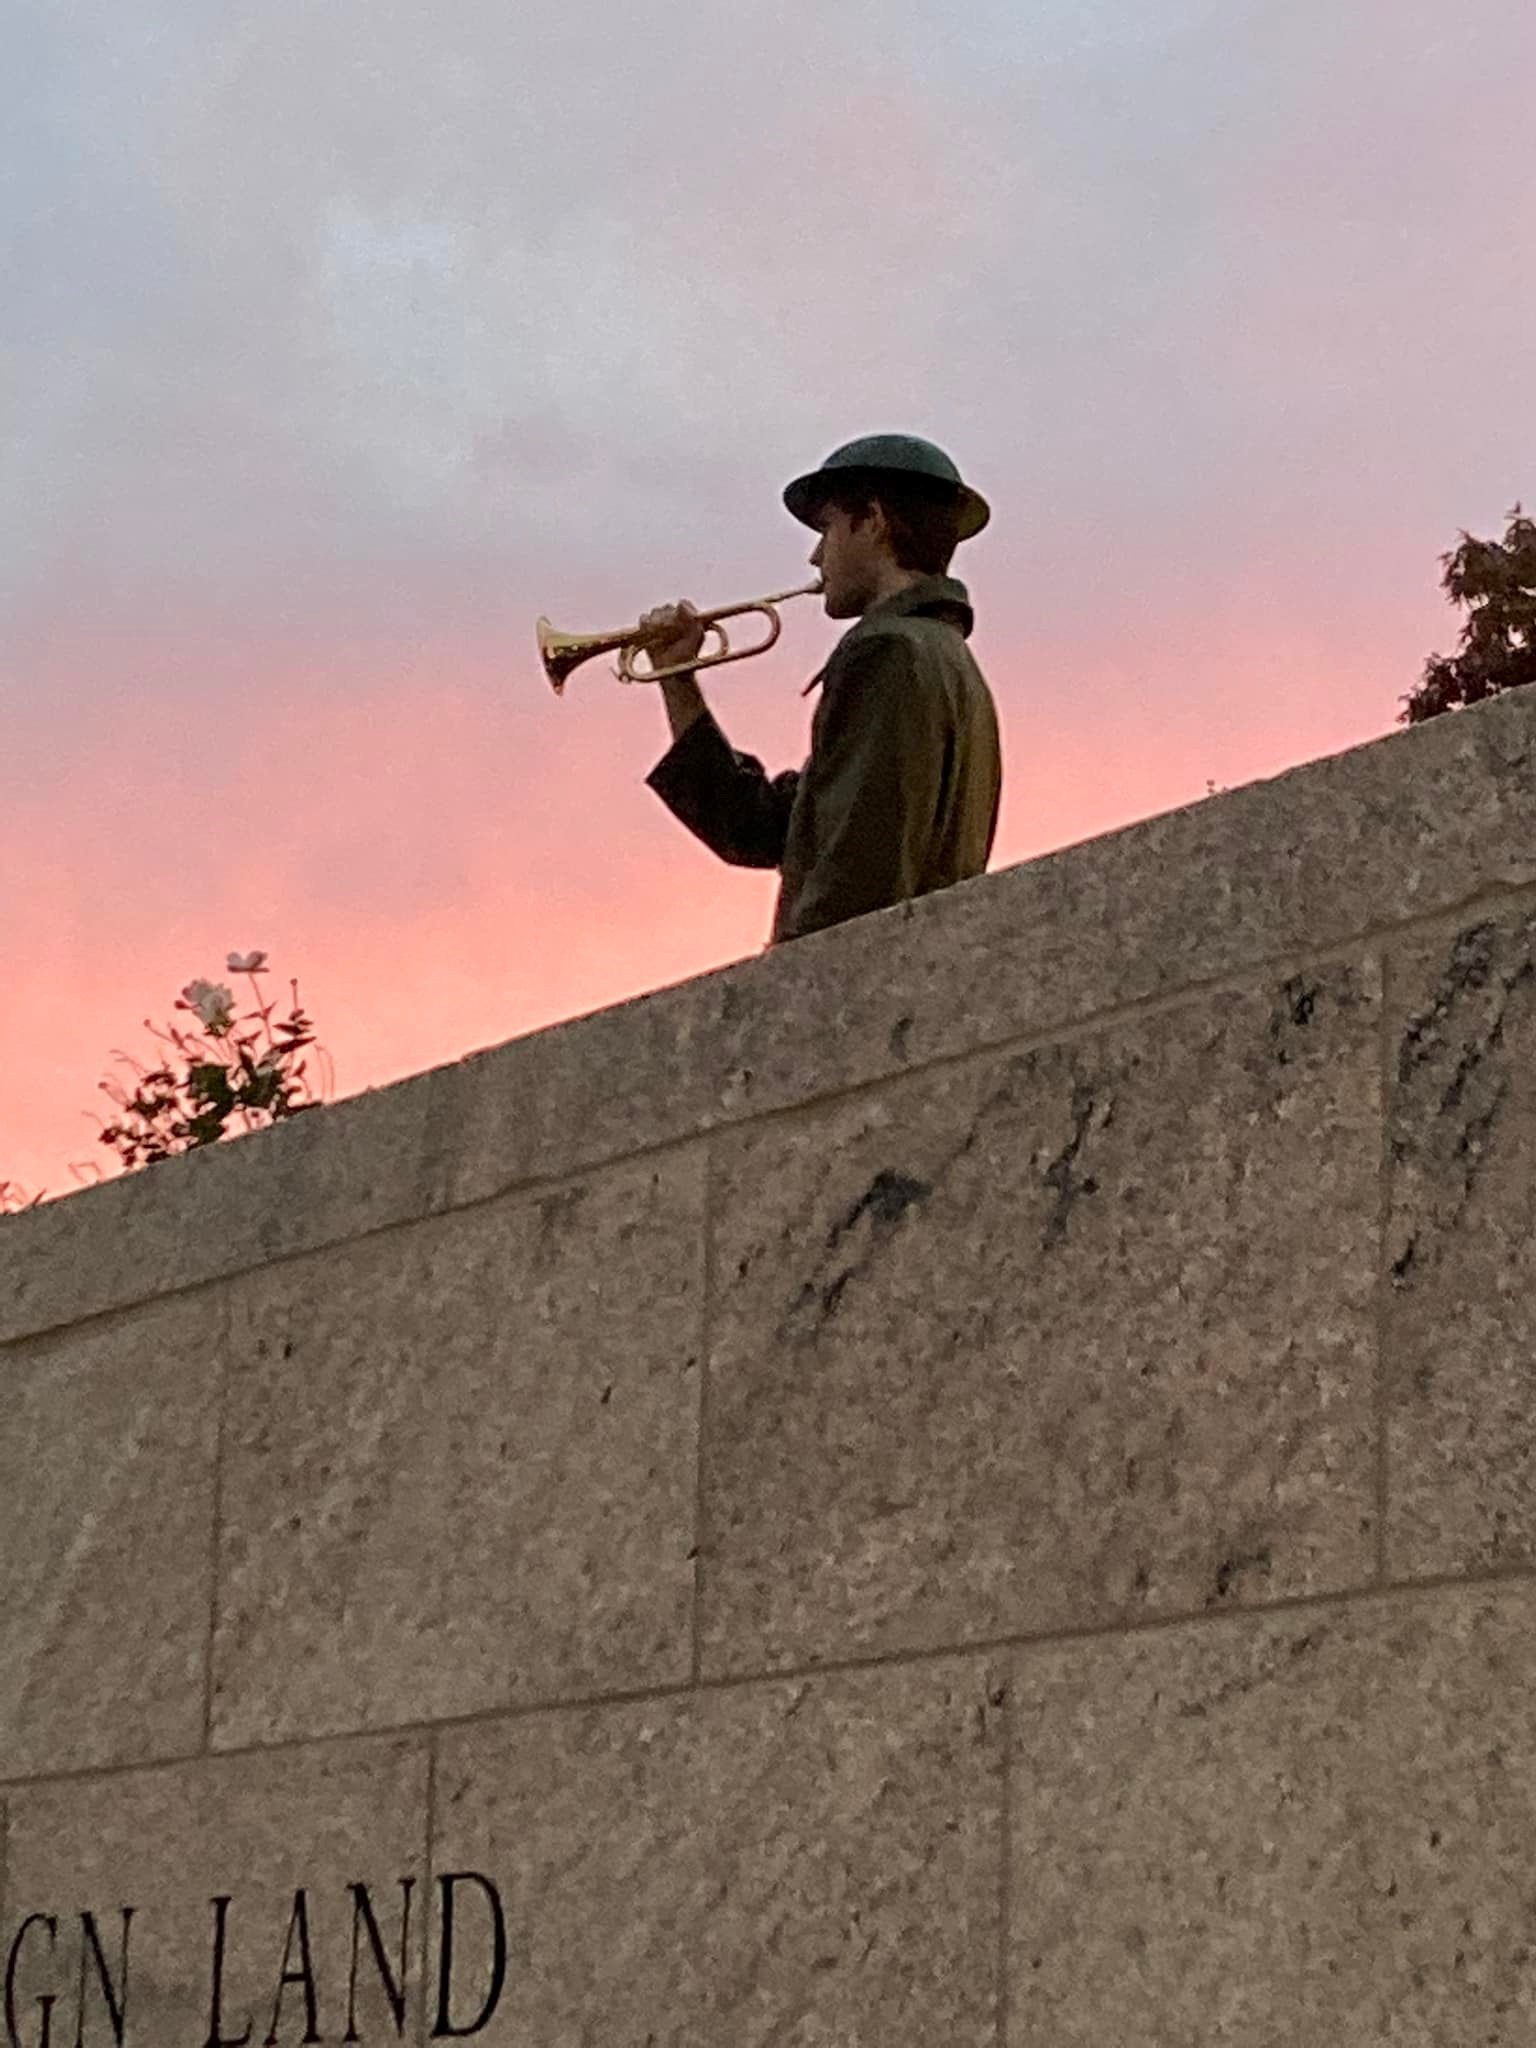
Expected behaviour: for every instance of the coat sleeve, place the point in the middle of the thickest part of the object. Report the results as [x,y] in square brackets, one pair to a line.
[725,798]
[873,782]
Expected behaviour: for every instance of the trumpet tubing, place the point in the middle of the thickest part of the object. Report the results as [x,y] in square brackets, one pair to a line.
[562,652]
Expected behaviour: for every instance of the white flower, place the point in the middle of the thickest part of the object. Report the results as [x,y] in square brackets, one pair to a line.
[212,1002]
[246,963]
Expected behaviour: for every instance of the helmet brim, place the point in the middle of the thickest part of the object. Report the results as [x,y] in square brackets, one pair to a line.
[804,497]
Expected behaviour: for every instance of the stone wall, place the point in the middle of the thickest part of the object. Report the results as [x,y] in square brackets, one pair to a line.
[967,1480]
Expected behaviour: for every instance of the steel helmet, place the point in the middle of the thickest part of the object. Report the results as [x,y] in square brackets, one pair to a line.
[892,455]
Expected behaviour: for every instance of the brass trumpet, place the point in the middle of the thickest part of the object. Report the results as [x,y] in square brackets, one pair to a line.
[562,652]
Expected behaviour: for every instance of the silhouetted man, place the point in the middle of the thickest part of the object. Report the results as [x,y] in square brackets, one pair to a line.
[901,791]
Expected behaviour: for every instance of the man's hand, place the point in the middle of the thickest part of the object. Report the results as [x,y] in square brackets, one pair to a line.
[672,634]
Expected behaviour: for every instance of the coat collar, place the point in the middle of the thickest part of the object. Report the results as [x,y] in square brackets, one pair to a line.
[944,597]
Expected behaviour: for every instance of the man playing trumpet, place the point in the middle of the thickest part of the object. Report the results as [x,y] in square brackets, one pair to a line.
[900,793]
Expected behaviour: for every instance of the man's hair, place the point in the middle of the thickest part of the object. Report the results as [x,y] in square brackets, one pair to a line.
[923,514]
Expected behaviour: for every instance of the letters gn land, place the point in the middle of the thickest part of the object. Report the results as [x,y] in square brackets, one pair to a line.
[70,1986]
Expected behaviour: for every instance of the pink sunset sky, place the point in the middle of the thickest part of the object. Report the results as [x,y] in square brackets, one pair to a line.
[337,344]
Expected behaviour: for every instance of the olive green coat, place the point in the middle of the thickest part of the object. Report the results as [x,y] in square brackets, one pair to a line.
[900,793]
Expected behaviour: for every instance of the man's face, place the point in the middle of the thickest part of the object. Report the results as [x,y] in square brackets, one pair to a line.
[849,559]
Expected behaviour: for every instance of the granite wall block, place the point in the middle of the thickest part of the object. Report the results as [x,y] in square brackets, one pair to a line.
[1269,1830]
[1051,1339]
[1459,1305]
[814,1862]
[107,1453]
[459,1462]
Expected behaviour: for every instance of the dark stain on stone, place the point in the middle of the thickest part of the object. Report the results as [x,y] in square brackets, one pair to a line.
[1470,1143]
[1303,1000]
[884,1202]
[891,1194]
[1234,1565]
[1061,1176]
[1470,968]
[887,1198]
[557,1210]
[1430,1037]
[831,1296]
[827,1296]
[882,1507]
[1276,1663]
[1451,1094]
[1295,1013]
[900,1032]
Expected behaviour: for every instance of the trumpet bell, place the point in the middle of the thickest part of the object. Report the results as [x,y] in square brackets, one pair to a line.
[562,652]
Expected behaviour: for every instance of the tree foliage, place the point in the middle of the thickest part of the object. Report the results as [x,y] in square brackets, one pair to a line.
[1495,583]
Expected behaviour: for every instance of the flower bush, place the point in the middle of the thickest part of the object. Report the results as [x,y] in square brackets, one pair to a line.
[230,1074]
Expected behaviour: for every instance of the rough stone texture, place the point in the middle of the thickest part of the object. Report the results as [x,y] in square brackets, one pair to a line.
[459,1462]
[1406,826]
[253,1830]
[327,1175]
[1460,1312]
[811,1864]
[1050,1339]
[1276,1831]
[106,1539]
[566,1099]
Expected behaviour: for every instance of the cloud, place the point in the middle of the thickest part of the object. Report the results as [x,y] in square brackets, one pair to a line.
[329,286]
